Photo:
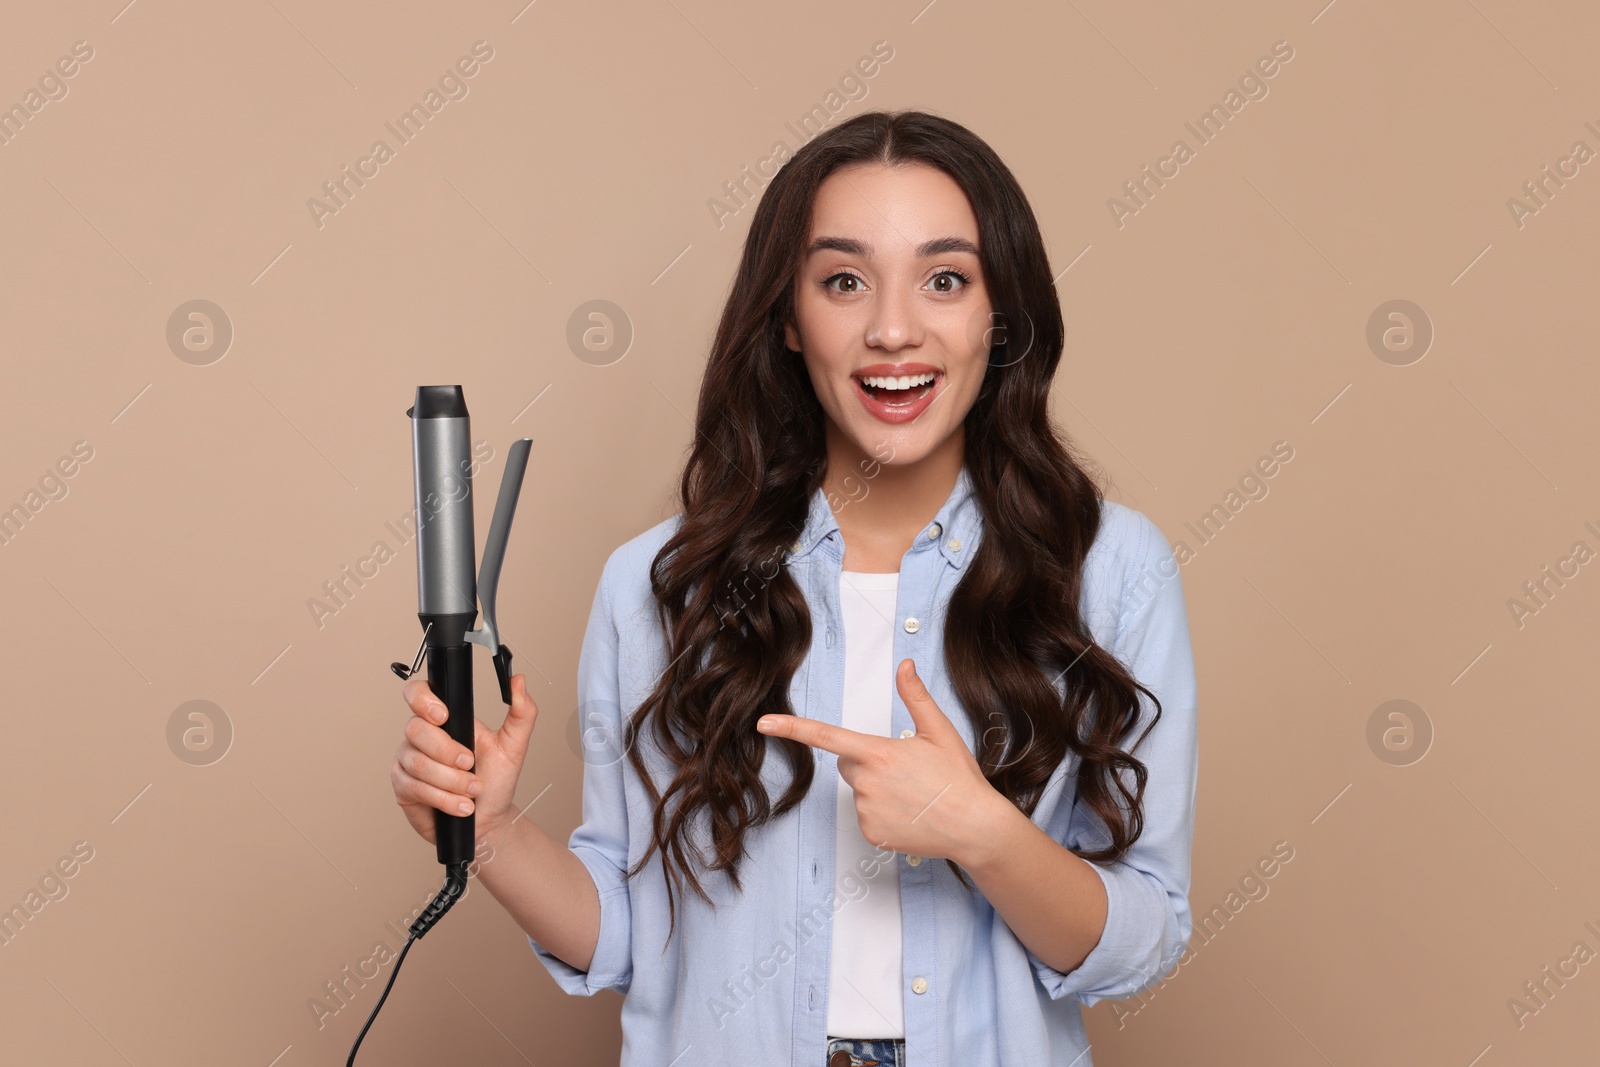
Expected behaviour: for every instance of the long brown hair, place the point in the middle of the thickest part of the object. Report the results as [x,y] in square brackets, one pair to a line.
[1013,629]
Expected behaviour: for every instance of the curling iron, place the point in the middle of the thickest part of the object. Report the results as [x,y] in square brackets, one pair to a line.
[448,599]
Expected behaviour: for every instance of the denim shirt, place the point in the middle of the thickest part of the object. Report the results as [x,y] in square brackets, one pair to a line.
[747,981]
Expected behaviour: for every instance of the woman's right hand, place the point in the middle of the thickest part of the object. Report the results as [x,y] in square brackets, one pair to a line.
[432,771]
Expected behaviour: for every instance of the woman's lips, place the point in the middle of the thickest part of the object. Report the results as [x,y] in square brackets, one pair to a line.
[897,413]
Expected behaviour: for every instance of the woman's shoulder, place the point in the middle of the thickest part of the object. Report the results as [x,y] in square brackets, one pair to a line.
[1127,535]
[1129,548]
[626,575]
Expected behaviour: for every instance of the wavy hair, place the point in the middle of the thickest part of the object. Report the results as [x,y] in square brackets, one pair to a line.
[1013,630]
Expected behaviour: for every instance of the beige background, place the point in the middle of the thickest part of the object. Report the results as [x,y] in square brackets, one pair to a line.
[1229,313]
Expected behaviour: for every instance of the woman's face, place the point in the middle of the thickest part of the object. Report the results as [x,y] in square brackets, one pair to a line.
[890,288]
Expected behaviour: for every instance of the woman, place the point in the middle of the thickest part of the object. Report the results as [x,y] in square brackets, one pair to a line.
[894,623]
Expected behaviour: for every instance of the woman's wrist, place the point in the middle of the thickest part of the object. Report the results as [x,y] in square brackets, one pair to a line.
[995,830]
[498,835]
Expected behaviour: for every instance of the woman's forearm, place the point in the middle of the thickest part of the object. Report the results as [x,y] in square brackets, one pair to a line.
[1050,897]
[545,888]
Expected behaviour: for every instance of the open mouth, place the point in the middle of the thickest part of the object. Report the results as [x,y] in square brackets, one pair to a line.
[898,399]
[899,392]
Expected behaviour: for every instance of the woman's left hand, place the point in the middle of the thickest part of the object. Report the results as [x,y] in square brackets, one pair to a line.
[925,794]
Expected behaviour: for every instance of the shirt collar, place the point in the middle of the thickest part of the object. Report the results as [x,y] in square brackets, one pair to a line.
[954,529]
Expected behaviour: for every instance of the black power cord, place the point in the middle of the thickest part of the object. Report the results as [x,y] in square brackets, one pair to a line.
[455,883]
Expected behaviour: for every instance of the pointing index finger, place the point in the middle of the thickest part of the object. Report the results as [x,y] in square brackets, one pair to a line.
[826,736]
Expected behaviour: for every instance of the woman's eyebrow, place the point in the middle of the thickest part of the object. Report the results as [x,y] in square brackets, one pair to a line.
[938,246]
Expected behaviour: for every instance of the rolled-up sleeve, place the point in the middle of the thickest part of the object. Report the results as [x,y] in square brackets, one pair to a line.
[1148,921]
[601,840]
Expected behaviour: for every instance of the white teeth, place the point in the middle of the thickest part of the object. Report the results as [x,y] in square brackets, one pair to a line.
[908,382]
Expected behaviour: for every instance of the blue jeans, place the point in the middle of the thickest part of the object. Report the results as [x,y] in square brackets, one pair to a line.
[864,1051]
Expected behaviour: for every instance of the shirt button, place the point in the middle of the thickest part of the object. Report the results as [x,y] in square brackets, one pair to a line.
[919,984]
[907,733]
[912,625]
[915,861]
[955,544]
[933,532]
[830,637]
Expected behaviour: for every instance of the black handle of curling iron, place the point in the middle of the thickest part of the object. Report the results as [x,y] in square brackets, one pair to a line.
[450,679]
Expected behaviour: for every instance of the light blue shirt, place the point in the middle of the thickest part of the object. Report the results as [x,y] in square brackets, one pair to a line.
[748,982]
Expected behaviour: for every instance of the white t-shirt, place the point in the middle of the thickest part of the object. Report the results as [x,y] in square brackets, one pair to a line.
[864,980]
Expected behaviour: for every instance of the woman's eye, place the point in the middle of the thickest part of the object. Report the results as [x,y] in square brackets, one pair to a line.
[950,274]
[850,283]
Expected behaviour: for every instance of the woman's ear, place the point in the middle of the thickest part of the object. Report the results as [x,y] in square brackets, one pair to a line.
[791,339]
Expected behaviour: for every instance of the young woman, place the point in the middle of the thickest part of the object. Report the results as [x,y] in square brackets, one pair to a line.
[890,733]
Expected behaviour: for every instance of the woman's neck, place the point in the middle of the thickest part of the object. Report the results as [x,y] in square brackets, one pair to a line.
[883,506]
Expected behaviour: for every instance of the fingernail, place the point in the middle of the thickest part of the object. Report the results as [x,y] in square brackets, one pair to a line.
[466,807]
[766,723]
[464,761]
[438,712]
[474,788]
